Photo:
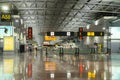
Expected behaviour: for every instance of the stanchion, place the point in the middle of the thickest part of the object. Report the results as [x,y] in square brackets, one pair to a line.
[77,53]
[46,52]
[61,53]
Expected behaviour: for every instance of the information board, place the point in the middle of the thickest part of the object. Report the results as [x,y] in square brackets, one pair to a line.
[8,43]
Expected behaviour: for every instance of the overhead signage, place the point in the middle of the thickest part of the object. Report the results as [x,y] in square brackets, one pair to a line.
[99,33]
[95,33]
[50,38]
[29,32]
[81,31]
[60,33]
[5,17]
[68,33]
[91,34]
[52,33]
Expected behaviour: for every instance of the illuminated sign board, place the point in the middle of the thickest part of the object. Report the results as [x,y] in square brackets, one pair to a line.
[6,31]
[5,17]
[50,38]
[8,43]
[91,34]
[29,32]
[81,31]
[60,33]
[99,33]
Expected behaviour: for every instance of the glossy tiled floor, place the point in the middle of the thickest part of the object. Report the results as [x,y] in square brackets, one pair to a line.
[27,66]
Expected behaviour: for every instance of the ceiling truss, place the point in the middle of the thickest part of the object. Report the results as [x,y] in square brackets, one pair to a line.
[60,15]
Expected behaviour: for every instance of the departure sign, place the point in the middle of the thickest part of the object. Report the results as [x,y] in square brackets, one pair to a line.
[29,32]
[91,34]
[95,34]
[99,33]
[5,17]
[60,33]
[50,38]
[81,33]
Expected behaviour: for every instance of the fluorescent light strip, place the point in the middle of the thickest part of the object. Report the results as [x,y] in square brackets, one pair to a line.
[116,21]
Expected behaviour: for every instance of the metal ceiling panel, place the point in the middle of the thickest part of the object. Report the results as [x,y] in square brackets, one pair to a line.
[63,14]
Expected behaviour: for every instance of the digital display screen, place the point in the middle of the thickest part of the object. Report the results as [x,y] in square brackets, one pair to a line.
[6,31]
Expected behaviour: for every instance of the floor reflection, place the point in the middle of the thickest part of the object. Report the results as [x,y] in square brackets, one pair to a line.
[27,66]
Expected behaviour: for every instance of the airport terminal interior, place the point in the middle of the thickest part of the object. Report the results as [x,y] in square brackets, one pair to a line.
[59,39]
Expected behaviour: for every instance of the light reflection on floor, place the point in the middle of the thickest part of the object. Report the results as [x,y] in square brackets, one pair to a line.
[27,66]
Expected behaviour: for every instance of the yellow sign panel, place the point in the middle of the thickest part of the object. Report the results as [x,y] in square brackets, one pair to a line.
[101,34]
[90,33]
[8,66]
[8,43]
[50,66]
[49,38]
[6,16]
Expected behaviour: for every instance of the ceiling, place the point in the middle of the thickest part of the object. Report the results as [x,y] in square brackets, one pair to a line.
[63,15]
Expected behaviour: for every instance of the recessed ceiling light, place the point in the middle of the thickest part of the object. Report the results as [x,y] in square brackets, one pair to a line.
[96,22]
[88,26]
[5,8]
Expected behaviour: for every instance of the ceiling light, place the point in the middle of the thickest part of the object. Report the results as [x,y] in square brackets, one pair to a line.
[96,22]
[111,0]
[5,8]
[110,17]
[88,26]
[116,21]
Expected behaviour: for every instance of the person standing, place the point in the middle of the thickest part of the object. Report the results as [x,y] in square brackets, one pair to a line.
[36,50]
[30,48]
[61,53]
[95,47]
